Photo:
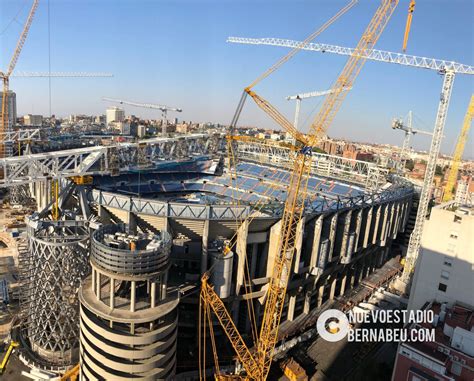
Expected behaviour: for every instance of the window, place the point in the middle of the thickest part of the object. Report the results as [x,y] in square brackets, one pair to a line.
[451,247]
[456,369]
[444,274]
[442,287]
[448,261]
[453,235]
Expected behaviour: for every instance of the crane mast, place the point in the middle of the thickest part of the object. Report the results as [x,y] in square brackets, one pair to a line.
[415,238]
[294,207]
[5,125]
[458,151]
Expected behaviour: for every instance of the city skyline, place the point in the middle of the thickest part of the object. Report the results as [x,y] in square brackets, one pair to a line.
[191,66]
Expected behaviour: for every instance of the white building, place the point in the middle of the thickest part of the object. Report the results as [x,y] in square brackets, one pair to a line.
[11,107]
[464,194]
[33,120]
[444,272]
[114,114]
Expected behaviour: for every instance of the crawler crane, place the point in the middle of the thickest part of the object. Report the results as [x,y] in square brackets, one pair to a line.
[256,362]
[458,151]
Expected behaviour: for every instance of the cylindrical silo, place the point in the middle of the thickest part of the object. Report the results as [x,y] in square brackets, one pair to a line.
[221,274]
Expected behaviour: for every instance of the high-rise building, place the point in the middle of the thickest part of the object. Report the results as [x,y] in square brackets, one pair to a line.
[114,114]
[465,191]
[11,107]
[33,120]
[444,270]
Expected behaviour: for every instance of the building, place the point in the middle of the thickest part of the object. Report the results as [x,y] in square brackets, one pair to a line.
[449,357]
[114,114]
[128,318]
[33,120]
[141,130]
[11,107]
[465,191]
[444,272]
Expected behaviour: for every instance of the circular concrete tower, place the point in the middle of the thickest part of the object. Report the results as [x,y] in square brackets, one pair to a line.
[128,318]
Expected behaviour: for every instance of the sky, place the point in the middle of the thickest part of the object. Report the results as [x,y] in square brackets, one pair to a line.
[175,53]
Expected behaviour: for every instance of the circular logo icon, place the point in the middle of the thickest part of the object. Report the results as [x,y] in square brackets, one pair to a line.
[332,325]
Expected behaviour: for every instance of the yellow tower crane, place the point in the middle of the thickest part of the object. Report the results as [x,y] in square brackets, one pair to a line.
[5,76]
[458,151]
[257,362]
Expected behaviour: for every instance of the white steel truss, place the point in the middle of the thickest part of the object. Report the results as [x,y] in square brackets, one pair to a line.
[373,54]
[105,160]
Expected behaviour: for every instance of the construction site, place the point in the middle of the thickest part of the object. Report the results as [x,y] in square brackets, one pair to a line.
[192,256]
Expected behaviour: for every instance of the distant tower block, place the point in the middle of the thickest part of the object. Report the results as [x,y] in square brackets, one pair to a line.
[51,272]
[128,318]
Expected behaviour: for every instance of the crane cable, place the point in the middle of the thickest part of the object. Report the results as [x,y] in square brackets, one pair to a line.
[296,49]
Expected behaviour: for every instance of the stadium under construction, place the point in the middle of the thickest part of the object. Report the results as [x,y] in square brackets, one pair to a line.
[112,282]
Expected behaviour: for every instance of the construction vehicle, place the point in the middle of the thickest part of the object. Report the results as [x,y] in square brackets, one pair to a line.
[11,347]
[256,362]
[458,151]
[164,109]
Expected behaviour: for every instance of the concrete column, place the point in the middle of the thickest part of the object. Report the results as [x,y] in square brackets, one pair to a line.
[93,281]
[357,230]
[320,295]
[353,277]
[241,250]
[332,235]
[291,307]
[298,244]
[343,284]
[307,302]
[205,244]
[112,296]
[153,294]
[98,285]
[316,240]
[133,290]
[132,222]
[164,285]
[332,291]
[368,226]
[253,264]
[378,213]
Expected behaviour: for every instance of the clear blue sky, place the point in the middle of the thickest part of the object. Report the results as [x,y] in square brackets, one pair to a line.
[174,52]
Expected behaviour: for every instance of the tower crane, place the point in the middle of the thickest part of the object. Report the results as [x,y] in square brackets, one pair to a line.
[299,97]
[164,109]
[5,124]
[458,151]
[257,363]
[448,69]
[397,124]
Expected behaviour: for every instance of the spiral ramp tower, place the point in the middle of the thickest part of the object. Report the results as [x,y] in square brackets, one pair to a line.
[128,318]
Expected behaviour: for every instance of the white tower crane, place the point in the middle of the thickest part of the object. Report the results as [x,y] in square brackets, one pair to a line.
[164,109]
[312,94]
[397,124]
[448,69]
